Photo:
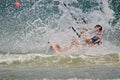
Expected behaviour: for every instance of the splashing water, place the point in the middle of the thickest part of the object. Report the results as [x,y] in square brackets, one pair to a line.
[26,30]
[29,27]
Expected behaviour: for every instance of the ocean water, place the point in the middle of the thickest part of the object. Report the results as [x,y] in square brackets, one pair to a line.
[25,53]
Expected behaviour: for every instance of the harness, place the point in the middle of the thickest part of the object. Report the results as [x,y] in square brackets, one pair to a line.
[97,39]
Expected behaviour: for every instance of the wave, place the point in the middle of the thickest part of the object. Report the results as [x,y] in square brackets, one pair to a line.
[34,60]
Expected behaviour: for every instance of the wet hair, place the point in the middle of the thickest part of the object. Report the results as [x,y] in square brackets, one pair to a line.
[99,26]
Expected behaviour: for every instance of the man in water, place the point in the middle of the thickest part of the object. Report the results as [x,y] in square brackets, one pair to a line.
[96,39]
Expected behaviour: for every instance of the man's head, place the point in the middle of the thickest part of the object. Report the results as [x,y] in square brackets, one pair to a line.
[98,28]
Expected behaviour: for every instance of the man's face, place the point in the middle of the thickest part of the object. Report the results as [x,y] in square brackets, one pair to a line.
[96,29]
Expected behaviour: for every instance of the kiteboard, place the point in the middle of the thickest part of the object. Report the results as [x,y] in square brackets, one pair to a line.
[55,47]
